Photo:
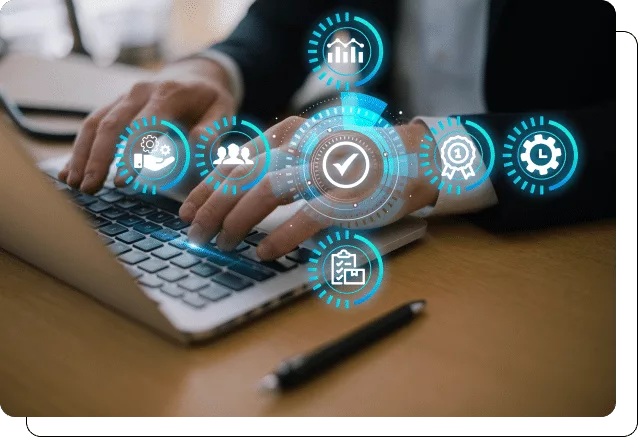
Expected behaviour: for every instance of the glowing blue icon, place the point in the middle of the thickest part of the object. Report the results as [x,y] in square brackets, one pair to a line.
[153,155]
[341,269]
[540,156]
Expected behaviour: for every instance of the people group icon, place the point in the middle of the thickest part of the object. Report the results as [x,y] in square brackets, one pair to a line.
[232,157]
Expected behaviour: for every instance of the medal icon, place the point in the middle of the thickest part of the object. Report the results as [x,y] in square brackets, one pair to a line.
[458,153]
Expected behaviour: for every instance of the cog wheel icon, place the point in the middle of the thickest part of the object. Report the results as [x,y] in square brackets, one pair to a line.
[148,143]
[165,150]
[529,146]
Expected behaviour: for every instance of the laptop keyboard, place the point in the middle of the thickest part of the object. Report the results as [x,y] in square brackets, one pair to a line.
[148,238]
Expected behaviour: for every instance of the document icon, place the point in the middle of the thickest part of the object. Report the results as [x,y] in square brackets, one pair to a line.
[344,271]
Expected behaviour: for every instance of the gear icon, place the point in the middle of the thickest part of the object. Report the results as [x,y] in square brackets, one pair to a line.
[552,163]
[148,143]
[165,150]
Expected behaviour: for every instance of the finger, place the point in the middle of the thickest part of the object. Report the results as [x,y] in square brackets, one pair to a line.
[196,198]
[110,126]
[287,236]
[82,146]
[62,175]
[251,210]
[208,219]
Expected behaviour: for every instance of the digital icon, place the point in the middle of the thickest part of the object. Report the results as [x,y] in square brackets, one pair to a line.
[347,163]
[152,155]
[540,156]
[458,153]
[345,50]
[231,157]
[156,156]
[218,152]
[461,150]
[344,271]
[339,54]
[342,166]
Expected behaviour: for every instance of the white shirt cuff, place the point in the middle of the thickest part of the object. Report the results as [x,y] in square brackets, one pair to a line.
[479,198]
[231,68]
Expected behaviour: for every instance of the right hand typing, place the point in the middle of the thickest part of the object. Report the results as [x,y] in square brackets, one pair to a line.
[193,92]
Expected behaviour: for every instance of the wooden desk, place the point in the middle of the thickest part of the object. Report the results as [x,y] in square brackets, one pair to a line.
[515,326]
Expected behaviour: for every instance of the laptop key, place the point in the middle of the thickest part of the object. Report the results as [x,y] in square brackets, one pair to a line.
[195,300]
[133,272]
[193,283]
[181,243]
[222,259]
[147,227]
[160,217]
[176,224]
[119,248]
[255,239]
[205,270]
[130,237]
[232,281]
[111,197]
[102,192]
[129,220]
[251,270]
[148,245]
[165,235]
[152,265]
[143,210]
[84,200]
[166,252]
[214,292]
[281,264]
[127,203]
[113,213]
[98,206]
[301,255]
[96,222]
[133,257]
[172,274]
[113,229]
[106,240]
[151,281]
[172,290]
[185,261]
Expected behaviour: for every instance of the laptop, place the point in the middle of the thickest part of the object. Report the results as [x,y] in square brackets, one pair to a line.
[128,251]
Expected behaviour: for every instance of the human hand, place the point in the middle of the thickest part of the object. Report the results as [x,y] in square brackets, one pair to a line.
[231,218]
[192,92]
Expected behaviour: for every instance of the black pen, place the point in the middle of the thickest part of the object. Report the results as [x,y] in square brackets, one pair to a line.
[297,370]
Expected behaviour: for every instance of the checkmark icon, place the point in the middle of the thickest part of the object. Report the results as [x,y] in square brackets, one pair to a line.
[343,167]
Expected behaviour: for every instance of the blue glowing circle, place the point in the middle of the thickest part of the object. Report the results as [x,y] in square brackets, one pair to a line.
[204,155]
[530,183]
[320,36]
[320,283]
[430,152]
[125,152]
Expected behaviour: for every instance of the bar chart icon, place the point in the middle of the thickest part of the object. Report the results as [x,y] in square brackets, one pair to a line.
[349,52]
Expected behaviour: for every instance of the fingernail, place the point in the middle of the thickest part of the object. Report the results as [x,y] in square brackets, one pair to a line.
[187,211]
[87,183]
[265,251]
[196,234]
[73,178]
[224,242]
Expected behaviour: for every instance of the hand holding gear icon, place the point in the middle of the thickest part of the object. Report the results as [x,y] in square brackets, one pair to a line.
[148,143]
[526,156]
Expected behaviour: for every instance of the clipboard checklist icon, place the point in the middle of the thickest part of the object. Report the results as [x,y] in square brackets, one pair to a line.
[344,269]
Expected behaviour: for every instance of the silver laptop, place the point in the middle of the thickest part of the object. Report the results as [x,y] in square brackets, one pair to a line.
[128,252]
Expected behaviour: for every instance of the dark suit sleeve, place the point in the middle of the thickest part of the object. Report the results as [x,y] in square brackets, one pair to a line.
[268,46]
[589,195]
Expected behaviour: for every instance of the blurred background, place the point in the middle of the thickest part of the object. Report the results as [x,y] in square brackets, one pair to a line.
[129,31]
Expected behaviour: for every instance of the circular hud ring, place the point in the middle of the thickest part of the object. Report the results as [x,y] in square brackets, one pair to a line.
[348,164]
[230,143]
[153,155]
